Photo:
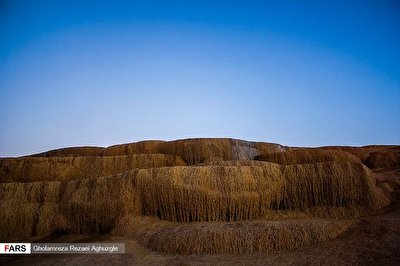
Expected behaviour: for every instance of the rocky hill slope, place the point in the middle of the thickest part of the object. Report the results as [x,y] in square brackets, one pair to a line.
[197,196]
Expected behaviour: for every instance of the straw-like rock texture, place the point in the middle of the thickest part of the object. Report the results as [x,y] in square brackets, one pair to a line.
[209,190]
[241,237]
[78,206]
[192,151]
[383,160]
[186,194]
[32,169]
[362,152]
[232,193]
[308,156]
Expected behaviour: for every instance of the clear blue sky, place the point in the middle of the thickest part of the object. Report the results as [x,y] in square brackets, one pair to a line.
[106,72]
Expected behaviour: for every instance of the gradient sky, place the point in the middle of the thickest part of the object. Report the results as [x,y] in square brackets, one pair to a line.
[100,72]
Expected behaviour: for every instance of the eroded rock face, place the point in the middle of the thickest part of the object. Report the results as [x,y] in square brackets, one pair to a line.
[34,169]
[192,151]
[196,186]
[384,159]
[242,237]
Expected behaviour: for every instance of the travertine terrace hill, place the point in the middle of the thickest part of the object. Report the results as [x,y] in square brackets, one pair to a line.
[196,196]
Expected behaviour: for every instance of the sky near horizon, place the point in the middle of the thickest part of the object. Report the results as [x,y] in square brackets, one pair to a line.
[99,73]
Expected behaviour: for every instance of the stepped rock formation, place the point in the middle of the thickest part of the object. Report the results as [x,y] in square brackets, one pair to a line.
[34,169]
[195,196]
